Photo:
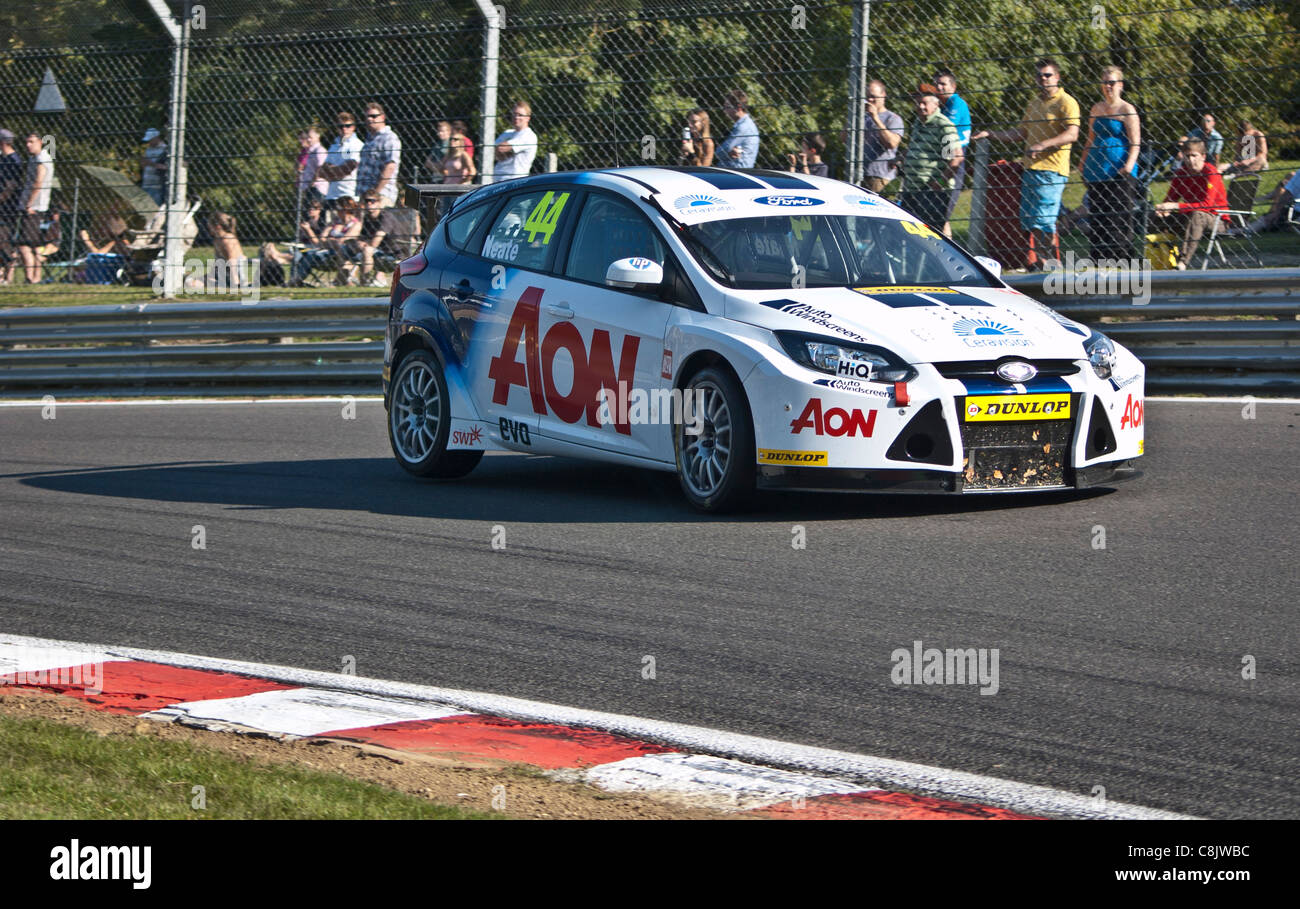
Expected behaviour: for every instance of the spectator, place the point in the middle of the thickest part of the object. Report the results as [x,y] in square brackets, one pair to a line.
[1048,128]
[381,157]
[1287,196]
[697,139]
[954,107]
[881,138]
[346,226]
[227,253]
[1209,135]
[310,230]
[740,148]
[116,242]
[1195,198]
[153,165]
[433,160]
[341,161]
[808,160]
[459,128]
[35,207]
[1109,166]
[311,156]
[457,167]
[11,187]
[379,228]
[1252,150]
[517,146]
[933,154]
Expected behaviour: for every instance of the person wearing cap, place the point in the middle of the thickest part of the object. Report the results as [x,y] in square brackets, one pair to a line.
[11,185]
[153,165]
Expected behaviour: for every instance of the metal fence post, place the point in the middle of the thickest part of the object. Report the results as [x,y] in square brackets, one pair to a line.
[857,88]
[494,19]
[978,197]
[180,34]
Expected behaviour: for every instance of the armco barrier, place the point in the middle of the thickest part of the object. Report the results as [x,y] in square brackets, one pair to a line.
[1210,332]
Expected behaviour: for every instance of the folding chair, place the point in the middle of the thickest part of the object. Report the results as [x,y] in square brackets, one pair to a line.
[1214,243]
[1241,198]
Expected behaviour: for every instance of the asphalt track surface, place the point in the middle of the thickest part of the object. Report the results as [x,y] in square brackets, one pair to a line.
[1119,667]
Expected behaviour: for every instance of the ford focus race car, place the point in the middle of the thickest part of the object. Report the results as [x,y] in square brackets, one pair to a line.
[747,329]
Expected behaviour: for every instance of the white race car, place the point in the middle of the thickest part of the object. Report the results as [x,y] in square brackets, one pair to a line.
[747,329]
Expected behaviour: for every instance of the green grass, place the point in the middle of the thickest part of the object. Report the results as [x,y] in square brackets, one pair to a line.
[50,770]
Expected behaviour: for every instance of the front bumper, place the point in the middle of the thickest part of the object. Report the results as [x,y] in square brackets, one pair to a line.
[814,479]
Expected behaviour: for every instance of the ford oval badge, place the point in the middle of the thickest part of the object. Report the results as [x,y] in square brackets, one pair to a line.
[1016,371]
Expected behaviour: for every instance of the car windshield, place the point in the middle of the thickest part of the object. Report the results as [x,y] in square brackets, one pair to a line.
[829,251]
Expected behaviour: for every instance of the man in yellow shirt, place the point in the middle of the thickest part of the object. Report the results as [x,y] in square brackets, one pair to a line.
[1048,129]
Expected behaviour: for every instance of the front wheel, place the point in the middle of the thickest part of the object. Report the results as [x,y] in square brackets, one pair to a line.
[716,465]
[419,421]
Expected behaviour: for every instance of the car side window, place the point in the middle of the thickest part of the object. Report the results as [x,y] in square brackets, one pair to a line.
[521,235]
[610,229]
[461,225]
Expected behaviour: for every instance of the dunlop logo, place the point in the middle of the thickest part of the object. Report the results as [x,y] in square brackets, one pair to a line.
[1017,407]
[793,458]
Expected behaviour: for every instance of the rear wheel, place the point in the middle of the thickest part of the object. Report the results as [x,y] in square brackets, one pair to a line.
[715,466]
[419,421]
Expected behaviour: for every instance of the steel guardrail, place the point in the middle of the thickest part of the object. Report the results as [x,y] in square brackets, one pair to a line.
[1208,332]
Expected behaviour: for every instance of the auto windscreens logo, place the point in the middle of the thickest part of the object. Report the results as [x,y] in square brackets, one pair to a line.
[988,333]
[789,201]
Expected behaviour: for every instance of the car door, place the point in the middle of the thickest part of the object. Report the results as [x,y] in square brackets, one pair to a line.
[511,272]
[603,337]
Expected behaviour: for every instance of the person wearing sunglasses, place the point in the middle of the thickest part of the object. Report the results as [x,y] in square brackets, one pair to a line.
[1109,166]
[516,146]
[381,157]
[882,134]
[1049,127]
[341,162]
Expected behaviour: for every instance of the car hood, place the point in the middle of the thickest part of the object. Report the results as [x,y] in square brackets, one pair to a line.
[920,324]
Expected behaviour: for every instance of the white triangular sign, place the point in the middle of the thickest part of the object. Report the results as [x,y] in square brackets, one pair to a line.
[50,99]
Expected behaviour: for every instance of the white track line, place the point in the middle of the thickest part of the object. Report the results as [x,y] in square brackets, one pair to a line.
[871,771]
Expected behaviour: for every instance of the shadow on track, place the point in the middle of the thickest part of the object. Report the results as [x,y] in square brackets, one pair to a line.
[516,487]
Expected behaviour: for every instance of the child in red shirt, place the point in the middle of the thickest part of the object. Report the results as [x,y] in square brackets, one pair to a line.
[1195,197]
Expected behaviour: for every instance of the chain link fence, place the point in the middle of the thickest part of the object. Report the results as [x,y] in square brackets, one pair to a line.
[611,84]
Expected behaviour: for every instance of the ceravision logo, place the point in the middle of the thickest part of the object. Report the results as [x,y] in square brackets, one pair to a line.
[75,862]
[789,201]
[933,666]
[700,202]
[864,200]
[988,333]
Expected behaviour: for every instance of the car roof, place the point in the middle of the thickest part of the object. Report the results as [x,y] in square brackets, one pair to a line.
[692,194]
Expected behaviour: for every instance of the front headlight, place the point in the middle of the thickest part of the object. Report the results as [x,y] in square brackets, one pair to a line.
[1101,354]
[847,361]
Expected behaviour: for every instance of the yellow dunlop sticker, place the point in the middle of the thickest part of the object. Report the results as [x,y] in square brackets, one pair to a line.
[793,458]
[899,289]
[1142,446]
[984,408]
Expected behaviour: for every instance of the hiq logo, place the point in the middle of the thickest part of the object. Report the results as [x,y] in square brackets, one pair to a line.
[788,201]
[696,201]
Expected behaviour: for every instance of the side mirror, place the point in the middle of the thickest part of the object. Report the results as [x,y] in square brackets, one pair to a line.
[992,265]
[633,273]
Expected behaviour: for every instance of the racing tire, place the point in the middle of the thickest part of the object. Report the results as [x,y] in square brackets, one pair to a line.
[716,467]
[419,421]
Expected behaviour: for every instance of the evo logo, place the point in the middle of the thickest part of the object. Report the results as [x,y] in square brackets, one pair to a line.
[514,431]
[75,862]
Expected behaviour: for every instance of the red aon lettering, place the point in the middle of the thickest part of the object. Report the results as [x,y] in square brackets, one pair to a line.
[591,372]
[835,422]
[1132,414]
